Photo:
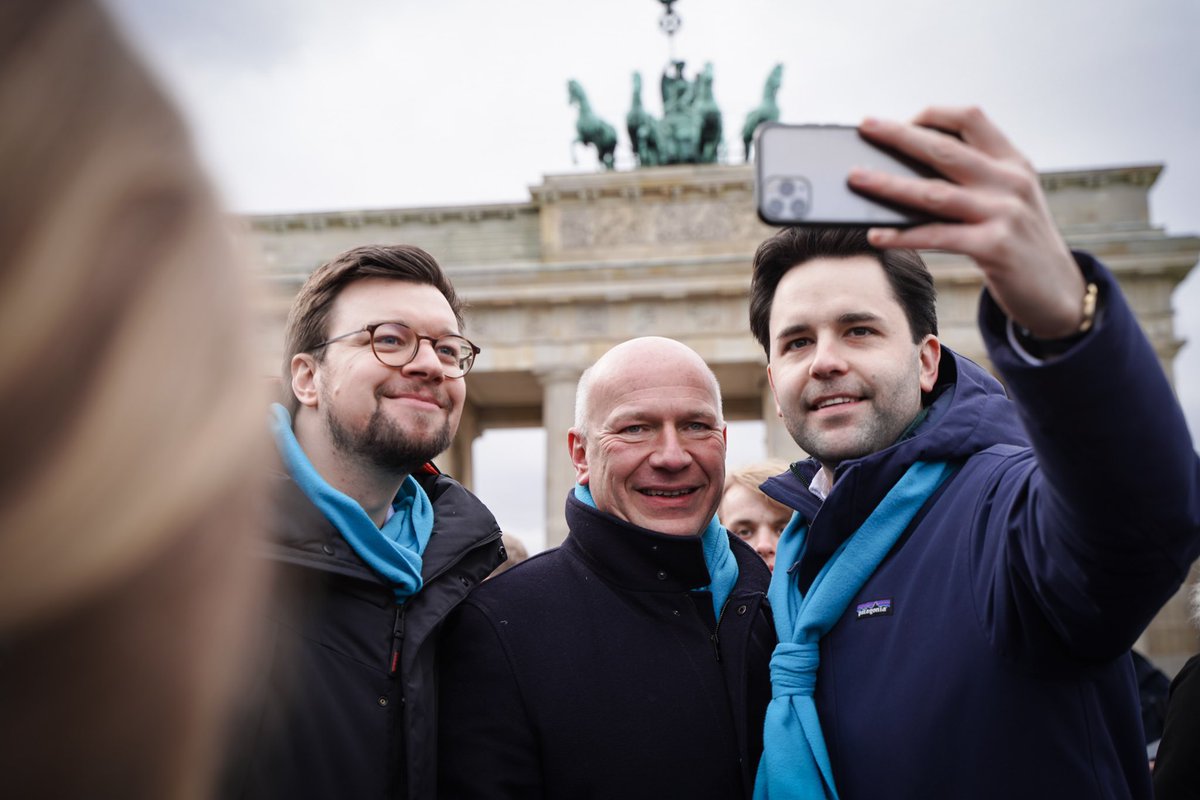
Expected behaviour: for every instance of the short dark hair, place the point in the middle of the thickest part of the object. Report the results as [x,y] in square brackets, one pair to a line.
[906,273]
[309,316]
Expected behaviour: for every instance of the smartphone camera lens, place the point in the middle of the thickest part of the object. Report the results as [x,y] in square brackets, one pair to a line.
[787,188]
[775,207]
[799,208]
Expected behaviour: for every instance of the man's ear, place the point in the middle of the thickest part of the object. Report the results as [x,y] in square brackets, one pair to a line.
[771,381]
[577,446]
[929,353]
[304,379]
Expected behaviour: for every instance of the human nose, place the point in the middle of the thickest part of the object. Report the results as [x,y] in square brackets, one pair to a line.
[764,544]
[827,358]
[670,452]
[425,361]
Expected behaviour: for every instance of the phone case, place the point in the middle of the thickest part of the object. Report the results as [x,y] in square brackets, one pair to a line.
[800,178]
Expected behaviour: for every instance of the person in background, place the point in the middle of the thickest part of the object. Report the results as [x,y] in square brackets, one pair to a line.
[1177,763]
[749,514]
[631,662]
[128,479]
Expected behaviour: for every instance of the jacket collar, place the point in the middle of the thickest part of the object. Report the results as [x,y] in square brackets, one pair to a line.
[633,557]
[300,533]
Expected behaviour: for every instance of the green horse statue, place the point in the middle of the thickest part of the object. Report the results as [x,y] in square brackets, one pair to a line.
[766,111]
[589,128]
[708,117]
[643,129]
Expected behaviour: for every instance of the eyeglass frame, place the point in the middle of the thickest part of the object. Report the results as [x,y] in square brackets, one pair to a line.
[433,340]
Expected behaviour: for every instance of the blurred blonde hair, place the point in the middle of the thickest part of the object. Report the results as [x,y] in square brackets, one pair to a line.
[752,475]
[127,489]
[1196,604]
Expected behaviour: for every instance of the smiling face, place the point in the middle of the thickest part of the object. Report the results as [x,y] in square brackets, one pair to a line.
[392,418]
[845,371]
[652,450]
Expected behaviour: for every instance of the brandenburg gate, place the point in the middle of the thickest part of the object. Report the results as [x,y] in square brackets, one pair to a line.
[592,259]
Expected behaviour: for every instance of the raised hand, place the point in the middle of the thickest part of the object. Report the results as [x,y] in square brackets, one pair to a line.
[996,213]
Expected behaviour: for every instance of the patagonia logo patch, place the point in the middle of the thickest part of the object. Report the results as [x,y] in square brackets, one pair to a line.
[874,608]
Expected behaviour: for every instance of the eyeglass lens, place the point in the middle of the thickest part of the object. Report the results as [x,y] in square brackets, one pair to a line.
[396,345]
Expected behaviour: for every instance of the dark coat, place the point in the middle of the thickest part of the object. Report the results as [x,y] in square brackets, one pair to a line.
[591,671]
[1177,767]
[348,694]
[1002,668]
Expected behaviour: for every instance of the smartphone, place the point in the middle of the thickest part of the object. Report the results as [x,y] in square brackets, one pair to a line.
[801,171]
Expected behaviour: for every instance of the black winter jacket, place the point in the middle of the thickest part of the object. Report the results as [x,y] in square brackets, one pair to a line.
[591,671]
[346,704]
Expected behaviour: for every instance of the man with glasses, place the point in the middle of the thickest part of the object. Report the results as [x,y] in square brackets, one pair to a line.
[374,547]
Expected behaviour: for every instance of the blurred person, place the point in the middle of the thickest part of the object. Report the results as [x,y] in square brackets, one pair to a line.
[749,514]
[128,490]
[967,571]
[631,661]
[514,553]
[373,545]
[1177,762]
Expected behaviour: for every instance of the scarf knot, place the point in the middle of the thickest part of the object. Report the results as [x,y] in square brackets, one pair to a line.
[794,669]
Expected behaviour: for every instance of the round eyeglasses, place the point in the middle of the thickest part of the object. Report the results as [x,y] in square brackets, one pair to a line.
[395,345]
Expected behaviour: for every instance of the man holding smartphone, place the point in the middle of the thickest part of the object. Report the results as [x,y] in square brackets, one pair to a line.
[957,594]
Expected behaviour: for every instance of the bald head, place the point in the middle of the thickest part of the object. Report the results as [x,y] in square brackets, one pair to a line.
[649,436]
[625,361]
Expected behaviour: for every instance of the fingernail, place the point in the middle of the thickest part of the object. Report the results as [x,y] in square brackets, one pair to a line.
[880,237]
[869,124]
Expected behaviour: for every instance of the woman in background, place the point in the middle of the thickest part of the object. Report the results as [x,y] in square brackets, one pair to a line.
[127,496]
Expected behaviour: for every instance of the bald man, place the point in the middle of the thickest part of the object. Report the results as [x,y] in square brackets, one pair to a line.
[631,661]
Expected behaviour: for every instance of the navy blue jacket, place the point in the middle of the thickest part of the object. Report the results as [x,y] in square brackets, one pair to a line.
[591,671]
[1000,667]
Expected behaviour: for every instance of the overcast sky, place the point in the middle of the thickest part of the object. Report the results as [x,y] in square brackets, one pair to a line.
[310,105]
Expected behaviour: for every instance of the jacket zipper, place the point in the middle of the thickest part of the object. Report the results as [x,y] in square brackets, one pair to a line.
[397,639]
[713,637]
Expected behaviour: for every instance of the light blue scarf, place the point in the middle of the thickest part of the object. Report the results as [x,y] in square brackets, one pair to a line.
[795,763]
[394,551]
[722,566]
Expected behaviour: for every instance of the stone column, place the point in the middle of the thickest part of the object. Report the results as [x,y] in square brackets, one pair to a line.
[456,462]
[779,442]
[558,415]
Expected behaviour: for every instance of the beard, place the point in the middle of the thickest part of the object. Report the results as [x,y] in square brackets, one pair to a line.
[832,448]
[893,408]
[383,444]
